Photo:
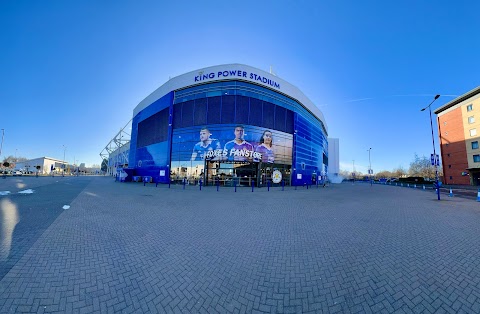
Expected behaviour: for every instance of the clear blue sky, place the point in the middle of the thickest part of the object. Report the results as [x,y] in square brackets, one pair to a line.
[71,72]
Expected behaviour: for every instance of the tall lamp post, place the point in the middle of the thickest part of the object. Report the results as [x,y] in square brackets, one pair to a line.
[1,145]
[435,161]
[64,149]
[370,172]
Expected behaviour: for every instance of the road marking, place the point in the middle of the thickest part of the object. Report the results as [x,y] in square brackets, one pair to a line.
[29,191]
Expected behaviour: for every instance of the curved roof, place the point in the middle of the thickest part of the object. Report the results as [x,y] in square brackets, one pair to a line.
[229,72]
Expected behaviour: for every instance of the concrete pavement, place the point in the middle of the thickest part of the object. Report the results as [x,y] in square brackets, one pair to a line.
[123,247]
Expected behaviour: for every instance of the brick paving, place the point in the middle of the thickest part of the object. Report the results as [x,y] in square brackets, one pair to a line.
[123,247]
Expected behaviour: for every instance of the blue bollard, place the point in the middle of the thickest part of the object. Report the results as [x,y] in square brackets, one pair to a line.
[268,185]
[184,182]
[307,186]
[200,184]
[253,184]
[169,183]
[218,184]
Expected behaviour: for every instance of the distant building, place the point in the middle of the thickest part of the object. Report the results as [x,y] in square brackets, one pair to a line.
[46,165]
[459,132]
[333,157]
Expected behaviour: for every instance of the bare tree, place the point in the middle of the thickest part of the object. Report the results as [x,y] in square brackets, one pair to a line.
[421,167]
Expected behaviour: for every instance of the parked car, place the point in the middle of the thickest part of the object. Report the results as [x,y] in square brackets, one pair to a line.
[17,173]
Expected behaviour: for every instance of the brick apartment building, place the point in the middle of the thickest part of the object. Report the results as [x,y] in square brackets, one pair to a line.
[459,132]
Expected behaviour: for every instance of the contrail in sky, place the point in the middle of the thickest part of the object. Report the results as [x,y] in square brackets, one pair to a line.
[405,95]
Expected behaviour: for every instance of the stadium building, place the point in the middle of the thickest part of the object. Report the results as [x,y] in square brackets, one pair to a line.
[227,123]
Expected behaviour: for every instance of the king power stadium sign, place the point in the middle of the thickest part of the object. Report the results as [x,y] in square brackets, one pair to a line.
[236,74]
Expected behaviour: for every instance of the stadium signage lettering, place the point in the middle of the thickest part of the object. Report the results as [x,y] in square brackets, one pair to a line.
[236,73]
[233,153]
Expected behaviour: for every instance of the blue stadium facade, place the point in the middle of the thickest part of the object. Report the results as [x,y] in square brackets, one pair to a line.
[229,123]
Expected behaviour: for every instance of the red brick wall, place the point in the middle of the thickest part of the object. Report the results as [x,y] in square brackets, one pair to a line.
[452,146]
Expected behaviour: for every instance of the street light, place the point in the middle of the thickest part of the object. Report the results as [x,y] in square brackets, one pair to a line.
[64,149]
[370,172]
[433,143]
[1,145]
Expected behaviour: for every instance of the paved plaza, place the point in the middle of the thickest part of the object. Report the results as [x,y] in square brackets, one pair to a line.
[129,248]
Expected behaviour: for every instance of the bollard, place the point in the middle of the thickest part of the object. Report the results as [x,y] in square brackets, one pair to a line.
[169,182]
[200,184]
[408,185]
[218,184]
[450,194]
[414,186]
[156,183]
[283,185]
[144,181]
[253,184]
[307,186]
[268,185]
[424,186]
[235,185]
[478,195]
[295,187]
[184,182]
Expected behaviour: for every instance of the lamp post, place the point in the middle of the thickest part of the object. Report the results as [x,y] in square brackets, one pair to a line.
[64,149]
[435,161]
[1,145]
[370,172]
[353,171]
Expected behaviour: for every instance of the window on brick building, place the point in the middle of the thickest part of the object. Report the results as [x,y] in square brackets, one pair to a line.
[451,178]
[449,166]
[471,119]
[476,158]
[448,155]
[475,145]
[473,132]
[470,107]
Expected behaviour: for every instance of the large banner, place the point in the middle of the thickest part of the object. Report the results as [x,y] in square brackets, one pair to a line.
[235,144]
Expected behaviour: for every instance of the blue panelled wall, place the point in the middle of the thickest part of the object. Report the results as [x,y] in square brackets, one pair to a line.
[170,126]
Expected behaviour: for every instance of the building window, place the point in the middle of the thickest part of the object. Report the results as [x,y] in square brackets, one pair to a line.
[470,107]
[448,155]
[475,145]
[476,158]
[451,178]
[449,166]
[471,119]
[473,132]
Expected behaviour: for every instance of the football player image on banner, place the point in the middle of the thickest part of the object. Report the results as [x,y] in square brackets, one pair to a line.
[205,145]
[265,148]
[238,149]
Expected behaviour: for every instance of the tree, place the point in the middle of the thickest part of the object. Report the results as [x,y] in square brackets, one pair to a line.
[399,172]
[383,174]
[421,167]
[104,165]
[13,159]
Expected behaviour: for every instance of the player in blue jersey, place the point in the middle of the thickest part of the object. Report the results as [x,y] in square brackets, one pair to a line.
[206,144]
[238,149]
[265,148]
